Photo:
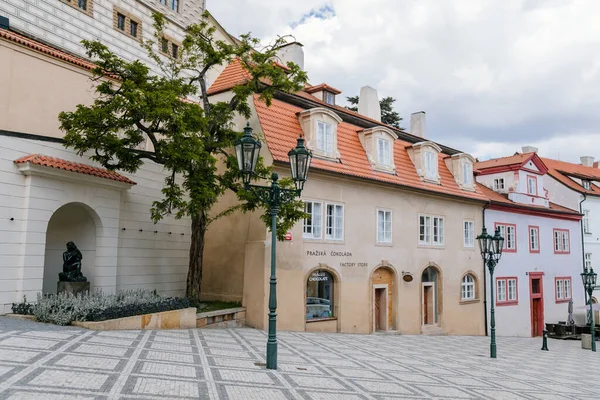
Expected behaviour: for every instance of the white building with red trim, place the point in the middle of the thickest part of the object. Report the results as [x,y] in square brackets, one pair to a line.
[538,273]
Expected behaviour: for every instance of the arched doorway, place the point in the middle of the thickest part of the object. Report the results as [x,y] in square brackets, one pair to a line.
[383,294]
[73,222]
[431,296]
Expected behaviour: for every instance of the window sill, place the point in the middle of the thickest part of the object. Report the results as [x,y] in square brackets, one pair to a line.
[334,241]
[471,301]
[470,248]
[562,301]
[534,251]
[384,244]
[507,303]
[562,253]
[308,321]
[431,246]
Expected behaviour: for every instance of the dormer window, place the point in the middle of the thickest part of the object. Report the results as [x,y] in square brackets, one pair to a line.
[431,165]
[324,137]
[467,171]
[383,152]
[586,184]
[532,185]
[498,184]
[328,97]
[320,128]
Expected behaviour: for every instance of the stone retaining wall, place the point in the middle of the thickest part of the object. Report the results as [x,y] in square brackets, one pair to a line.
[174,319]
[228,318]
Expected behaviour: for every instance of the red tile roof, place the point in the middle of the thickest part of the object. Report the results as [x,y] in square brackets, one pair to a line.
[561,170]
[281,128]
[502,199]
[32,44]
[59,163]
[517,159]
[322,86]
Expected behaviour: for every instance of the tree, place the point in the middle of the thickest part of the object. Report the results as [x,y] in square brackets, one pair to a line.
[388,115]
[190,140]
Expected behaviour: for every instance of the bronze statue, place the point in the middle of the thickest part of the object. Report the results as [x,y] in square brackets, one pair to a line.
[72,265]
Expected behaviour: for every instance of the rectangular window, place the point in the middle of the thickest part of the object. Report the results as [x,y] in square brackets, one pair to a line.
[383,152]
[509,232]
[133,28]
[313,223]
[164,45]
[174,50]
[424,229]
[562,241]
[174,4]
[384,226]
[82,4]
[563,289]
[588,260]
[334,227]
[534,239]
[431,230]
[586,222]
[328,98]
[586,184]
[507,288]
[532,185]
[499,184]
[324,137]
[469,233]
[430,164]
[120,21]
[467,170]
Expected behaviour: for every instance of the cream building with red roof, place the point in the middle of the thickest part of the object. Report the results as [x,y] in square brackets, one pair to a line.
[538,273]
[390,241]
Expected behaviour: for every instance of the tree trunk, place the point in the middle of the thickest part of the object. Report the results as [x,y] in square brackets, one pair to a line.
[194,278]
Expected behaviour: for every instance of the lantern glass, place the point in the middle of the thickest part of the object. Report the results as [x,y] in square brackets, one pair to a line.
[484,243]
[593,276]
[247,150]
[300,158]
[498,242]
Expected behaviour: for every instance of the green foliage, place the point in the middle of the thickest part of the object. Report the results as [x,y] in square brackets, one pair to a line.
[64,308]
[206,306]
[22,308]
[388,115]
[187,138]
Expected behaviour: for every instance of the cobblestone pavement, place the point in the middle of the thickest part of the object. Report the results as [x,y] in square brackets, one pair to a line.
[42,362]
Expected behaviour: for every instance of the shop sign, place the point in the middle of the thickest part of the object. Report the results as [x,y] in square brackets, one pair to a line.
[318,277]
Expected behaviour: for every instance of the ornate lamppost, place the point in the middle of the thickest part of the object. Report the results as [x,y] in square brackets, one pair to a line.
[247,149]
[491,251]
[589,283]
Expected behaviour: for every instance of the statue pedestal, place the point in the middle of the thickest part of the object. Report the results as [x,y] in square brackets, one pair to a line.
[72,287]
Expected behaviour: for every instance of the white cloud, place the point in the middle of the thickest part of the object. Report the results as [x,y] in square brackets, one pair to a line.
[491,74]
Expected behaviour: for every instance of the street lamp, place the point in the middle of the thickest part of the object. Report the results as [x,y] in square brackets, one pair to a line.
[589,282]
[247,150]
[491,251]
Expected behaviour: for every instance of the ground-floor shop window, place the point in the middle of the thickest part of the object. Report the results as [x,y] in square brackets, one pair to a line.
[319,295]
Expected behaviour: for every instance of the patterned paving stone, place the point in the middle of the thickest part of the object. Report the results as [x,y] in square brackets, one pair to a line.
[39,362]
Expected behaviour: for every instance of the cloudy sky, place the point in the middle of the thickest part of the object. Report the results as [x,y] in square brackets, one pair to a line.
[491,75]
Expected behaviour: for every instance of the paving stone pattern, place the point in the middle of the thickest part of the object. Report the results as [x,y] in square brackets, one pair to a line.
[42,362]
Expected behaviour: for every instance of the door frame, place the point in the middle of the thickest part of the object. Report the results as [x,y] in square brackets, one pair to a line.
[385,288]
[423,285]
[532,296]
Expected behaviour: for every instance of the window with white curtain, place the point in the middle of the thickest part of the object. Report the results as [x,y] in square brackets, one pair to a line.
[384,226]
[334,222]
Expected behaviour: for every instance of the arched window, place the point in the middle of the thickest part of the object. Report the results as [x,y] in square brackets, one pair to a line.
[319,295]
[467,287]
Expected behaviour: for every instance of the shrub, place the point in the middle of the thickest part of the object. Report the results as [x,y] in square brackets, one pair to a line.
[64,308]
[23,308]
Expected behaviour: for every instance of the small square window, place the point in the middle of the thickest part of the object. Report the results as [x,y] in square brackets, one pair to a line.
[120,21]
[499,184]
[133,28]
[532,185]
[174,50]
[586,184]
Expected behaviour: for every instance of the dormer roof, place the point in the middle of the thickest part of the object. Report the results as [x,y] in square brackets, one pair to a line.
[322,86]
[516,162]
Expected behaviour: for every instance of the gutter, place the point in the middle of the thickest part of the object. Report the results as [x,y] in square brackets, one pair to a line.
[487,205]
[582,241]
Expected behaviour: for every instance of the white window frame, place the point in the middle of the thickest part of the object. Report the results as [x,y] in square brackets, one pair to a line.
[325,139]
[507,290]
[316,221]
[384,152]
[587,185]
[469,234]
[588,260]
[499,184]
[384,226]
[501,293]
[431,230]
[534,239]
[431,164]
[562,241]
[508,286]
[467,287]
[531,188]
[586,222]
[562,290]
[328,95]
[337,222]
[467,171]
[510,240]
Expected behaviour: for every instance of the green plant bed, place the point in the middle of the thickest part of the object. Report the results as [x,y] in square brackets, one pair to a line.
[206,306]
[64,308]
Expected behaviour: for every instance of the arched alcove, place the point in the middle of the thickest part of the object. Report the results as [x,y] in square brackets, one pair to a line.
[383,295]
[431,295]
[73,222]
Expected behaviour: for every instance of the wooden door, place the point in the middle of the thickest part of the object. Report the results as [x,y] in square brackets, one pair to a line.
[385,276]
[377,310]
[536,293]
[428,303]
[535,317]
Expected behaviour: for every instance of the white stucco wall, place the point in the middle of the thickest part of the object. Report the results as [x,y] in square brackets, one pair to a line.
[592,239]
[123,259]
[561,194]
[515,320]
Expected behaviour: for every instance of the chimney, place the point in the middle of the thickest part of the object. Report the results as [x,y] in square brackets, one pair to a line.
[418,126]
[587,161]
[368,103]
[529,149]
[291,52]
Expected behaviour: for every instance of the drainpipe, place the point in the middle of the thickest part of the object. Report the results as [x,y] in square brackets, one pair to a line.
[583,242]
[485,275]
